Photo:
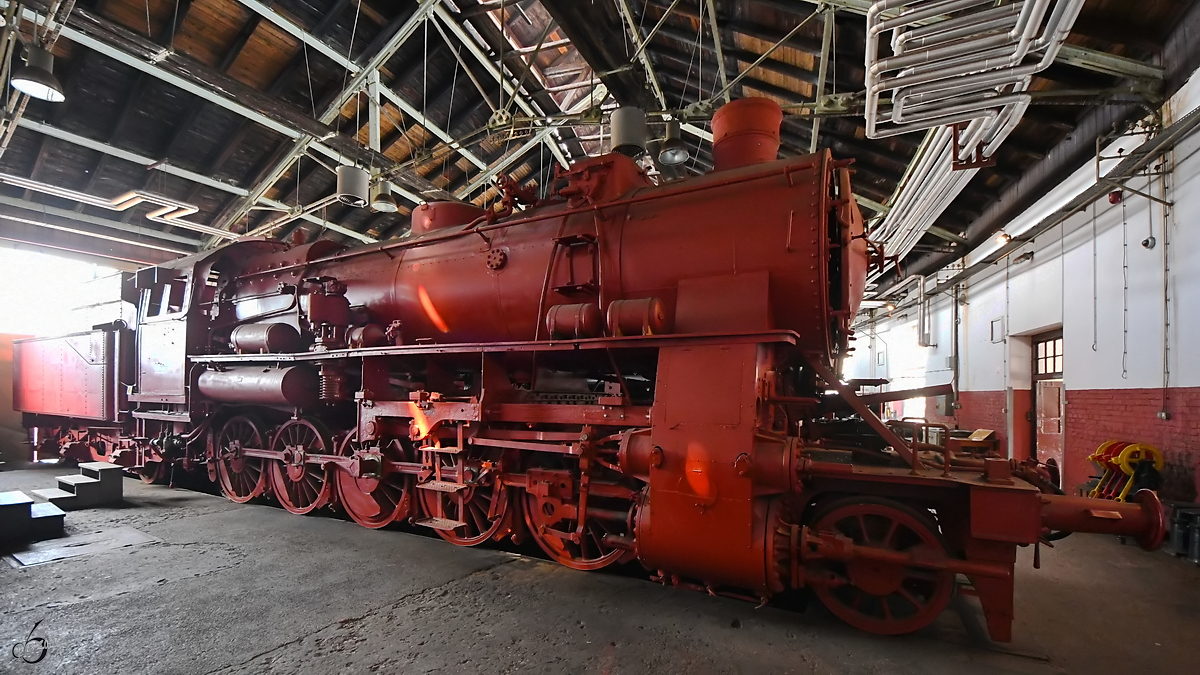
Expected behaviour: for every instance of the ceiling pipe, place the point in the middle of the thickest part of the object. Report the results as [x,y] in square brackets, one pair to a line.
[963,79]
[169,212]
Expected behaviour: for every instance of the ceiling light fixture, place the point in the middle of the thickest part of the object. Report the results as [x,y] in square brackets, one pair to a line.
[1003,237]
[36,77]
[674,151]
[382,200]
[353,186]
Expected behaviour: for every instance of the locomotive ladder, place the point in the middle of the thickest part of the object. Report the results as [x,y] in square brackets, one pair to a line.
[440,484]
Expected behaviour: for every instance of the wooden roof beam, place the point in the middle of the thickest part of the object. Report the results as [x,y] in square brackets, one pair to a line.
[284,159]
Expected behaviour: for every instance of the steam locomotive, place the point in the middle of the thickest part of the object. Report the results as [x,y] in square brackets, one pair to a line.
[623,371]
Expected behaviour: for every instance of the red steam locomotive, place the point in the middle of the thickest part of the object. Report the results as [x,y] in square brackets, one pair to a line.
[622,371]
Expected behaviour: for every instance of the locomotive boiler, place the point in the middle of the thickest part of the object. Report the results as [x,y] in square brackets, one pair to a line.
[627,370]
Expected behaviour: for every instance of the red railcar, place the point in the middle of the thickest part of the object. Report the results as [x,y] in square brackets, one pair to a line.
[623,371]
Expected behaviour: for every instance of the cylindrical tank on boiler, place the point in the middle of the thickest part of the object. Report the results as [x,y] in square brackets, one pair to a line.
[270,338]
[293,387]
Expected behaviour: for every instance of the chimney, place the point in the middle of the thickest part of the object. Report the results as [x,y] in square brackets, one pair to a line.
[745,132]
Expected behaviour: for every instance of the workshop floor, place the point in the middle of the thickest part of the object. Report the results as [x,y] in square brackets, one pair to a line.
[229,588]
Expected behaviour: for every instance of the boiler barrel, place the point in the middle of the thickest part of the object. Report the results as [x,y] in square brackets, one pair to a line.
[743,250]
[293,387]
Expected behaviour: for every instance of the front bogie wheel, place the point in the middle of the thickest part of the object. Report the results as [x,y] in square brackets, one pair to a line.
[886,598]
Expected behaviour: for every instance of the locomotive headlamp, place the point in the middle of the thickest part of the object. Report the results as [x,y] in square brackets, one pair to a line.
[36,77]
[674,151]
[382,199]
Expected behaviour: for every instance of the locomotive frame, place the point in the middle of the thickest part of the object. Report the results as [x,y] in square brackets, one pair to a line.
[626,395]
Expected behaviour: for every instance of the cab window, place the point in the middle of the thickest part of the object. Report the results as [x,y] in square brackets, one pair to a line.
[167,297]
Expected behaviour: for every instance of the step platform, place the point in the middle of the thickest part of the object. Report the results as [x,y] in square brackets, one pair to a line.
[23,520]
[96,484]
[440,523]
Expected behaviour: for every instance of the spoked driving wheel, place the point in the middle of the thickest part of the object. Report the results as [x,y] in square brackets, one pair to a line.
[552,501]
[378,495]
[301,486]
[884,597]
[242,478]
[464,500]
[154,473]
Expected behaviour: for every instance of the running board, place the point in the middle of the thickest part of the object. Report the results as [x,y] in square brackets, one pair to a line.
[441,523]
[442,486]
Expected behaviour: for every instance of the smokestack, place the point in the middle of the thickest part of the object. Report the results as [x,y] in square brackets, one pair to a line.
[745,132]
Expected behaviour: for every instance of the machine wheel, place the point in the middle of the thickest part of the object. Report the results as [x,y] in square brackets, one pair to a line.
[242,478]
[154,473]
[299,485]
[375,501]
[482,506]
[883,598]
[553,524]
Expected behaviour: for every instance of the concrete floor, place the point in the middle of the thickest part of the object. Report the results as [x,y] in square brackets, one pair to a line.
[231,588]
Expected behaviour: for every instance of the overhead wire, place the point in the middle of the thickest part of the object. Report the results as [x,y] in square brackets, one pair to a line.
[1124,294]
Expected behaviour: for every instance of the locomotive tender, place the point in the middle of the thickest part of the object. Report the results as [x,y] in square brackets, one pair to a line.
[622,371]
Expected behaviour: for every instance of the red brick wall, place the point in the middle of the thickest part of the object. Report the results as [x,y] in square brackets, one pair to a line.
[1098,415]
[980,410]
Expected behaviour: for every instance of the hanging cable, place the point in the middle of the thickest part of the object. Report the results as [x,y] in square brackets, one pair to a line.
[349,57]
[1124,294]
[1062,273]
[425,76]
[450,118]
[1149,241]
[312,99]
[1164,413]
[699,37]
[1095,290]
[174,25]
[500,60]
[687,80]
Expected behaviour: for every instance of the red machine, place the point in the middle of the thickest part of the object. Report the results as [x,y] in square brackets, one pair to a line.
[623,371]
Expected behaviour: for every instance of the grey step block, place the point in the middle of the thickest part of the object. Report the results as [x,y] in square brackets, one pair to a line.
[60,498]
[14,500]
[105,471]
[91,491]
[78,481]
[46,521]
[14,515]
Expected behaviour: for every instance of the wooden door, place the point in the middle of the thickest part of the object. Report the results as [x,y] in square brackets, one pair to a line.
[1050,421]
